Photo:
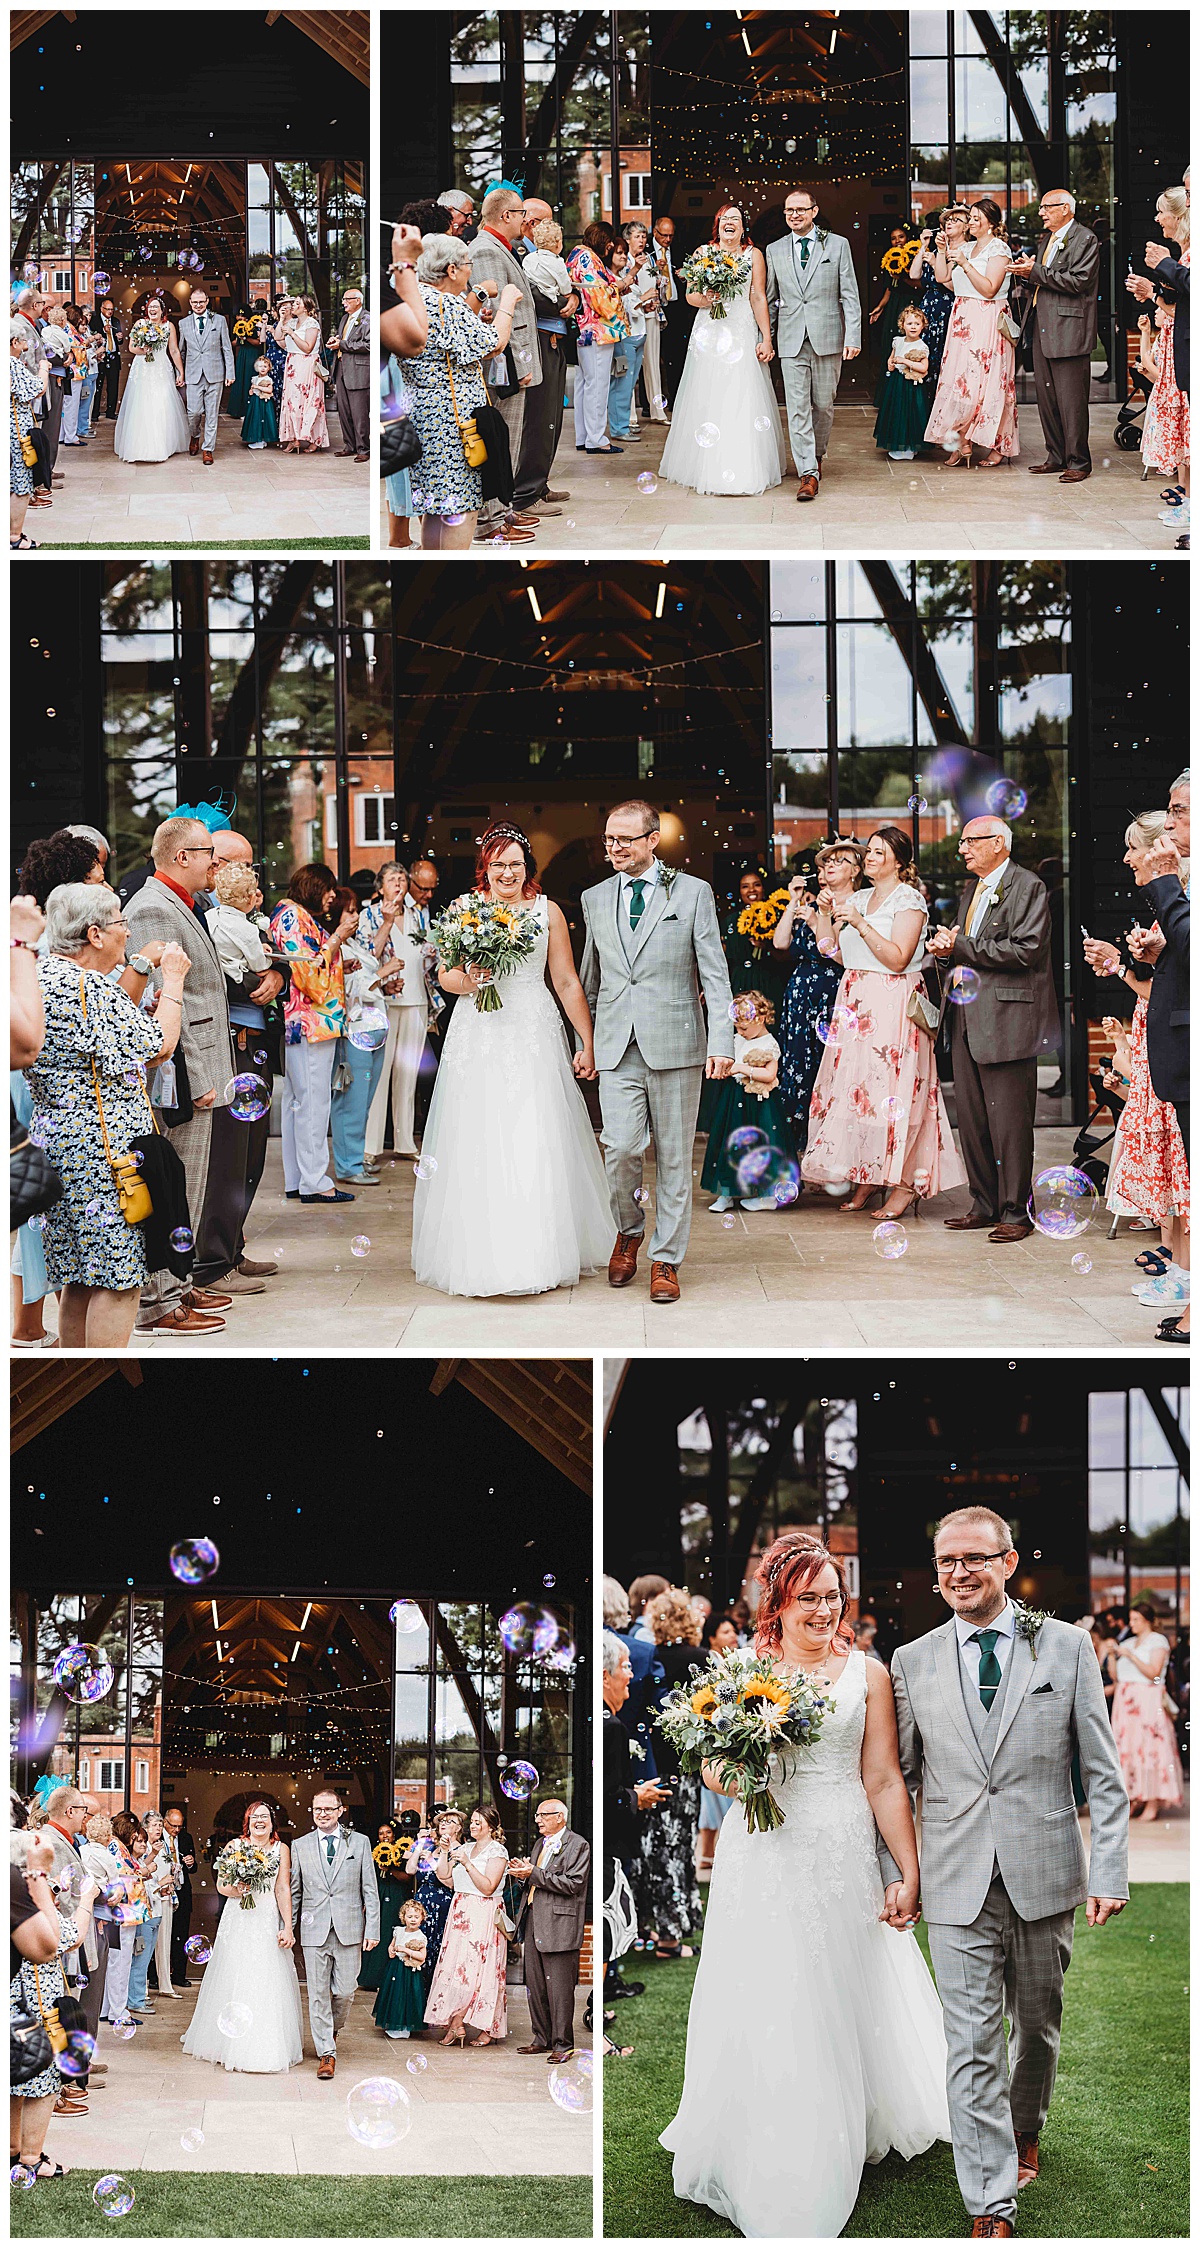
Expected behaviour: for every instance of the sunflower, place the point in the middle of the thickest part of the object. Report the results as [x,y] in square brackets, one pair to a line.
[898,260]
[766,1690]
[704,1701]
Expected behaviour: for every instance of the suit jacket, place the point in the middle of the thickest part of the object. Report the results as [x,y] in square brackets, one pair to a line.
[1015,1015]
[353,358]
[652,993]
[344,1897]
[555,1909]
[492,260]
[208,357]
[96,324]
[1168,1013]
[821,303]
[187,1849]
[1170,274]
[1011,1804]
[620,1803]
[154,911]
[1059,299]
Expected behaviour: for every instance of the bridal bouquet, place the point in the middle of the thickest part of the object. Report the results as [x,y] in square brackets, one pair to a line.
[247,1862]
[719,272]
[475,932]
[736,1715]
[144,337]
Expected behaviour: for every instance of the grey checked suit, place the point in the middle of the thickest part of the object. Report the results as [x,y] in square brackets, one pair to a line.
[815,311]
[207,367]
[643,986]
[335,1909]
[493,260]
[1002,1870]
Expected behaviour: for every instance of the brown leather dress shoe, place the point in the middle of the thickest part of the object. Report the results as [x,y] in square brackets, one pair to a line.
[560,2053]
[207,1299]
[194,447]
[1010,1229]
[326,2065]
[185,1321]
[1045,468]
[207,459]
[622,1265]
[1075,476]
[808,488]
[991,2228]
[70,2103]
[970,1223]
[1027,2158]
[532,2048]
[664,1284]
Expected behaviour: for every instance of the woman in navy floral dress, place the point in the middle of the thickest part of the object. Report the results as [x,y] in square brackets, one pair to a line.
[813,984]
[429,1859]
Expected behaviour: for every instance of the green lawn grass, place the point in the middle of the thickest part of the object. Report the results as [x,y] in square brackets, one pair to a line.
[1114,2150]
[184,2205]
[203,546]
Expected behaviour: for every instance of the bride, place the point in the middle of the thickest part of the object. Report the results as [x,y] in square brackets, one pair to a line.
[725,434]
[511,1196]
[153,423]
[815,2039]
[248,2013]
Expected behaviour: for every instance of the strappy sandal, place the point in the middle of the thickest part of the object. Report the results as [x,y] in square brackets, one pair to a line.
[53,2174]
[616,2052]
[1154,1261]
[22,545]
[855,1207]
[994,460]
[956,460]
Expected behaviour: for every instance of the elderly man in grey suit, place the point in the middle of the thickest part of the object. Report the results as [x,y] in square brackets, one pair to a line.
[335,1903]
[550,1925]
[1002,936]
[816,324]
[207,372]
[652,945]
[1060,284]
[494,260]
[991,1707]
[164,907]
[351,346]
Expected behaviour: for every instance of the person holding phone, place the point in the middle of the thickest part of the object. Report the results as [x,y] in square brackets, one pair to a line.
[931,268]
[804,936]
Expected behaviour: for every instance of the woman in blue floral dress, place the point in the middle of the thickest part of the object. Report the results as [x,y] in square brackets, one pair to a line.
[25,385]
[812,985]
[429,1859]
[447,385]
[937,297]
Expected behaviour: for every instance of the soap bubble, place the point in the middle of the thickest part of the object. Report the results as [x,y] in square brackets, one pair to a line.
[548,1580]
[842,1024]
[890,1240]
[406,1616]
[193,1560]
[260,1056]
[729,1222]
[707,436]
[369,1029]
[1006,799]
[762,423]
[22,2175]
[752,1168]
[519,1781]
[112,2195]
[562,1654]
[199,1950]
[247,1098]
[378,2112]
[78,2053]
[235,2020]
[82,1673]
[181,1240]
[1081,1262]
[425,1166]
[647,482]
[1063,1202]
[894,1109]
[571,2083]
[123,2025]
[527,1629]
[746,1138]
[361,1245]
[191,2141]
[918,804]
[964,987]
[417,2063]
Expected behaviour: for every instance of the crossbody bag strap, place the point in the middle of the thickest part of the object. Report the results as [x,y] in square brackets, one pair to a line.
[96,1082]
[450,371]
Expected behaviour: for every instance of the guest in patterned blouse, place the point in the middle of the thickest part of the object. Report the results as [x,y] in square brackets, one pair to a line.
[447,384]
[314,1019]
[813,983]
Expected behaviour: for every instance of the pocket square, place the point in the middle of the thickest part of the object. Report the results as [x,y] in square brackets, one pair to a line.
[670,917]
[1046,1689]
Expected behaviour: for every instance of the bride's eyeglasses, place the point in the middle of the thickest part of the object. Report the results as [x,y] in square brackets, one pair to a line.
[811,1600]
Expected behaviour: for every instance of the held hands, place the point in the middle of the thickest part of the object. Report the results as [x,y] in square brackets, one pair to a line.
[584,1064]
[764,351]
[286,1939]
[901,1905]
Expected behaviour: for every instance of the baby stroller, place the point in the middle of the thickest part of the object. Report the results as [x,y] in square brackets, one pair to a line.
[1089,1151]
[1128,431]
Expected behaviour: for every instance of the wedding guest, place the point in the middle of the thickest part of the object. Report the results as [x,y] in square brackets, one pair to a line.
[105,1934]
[663,1875]
[160,1888]
[1167,425]
[877,1116]
[494,262]
[643,265]
[399,2010]
[676,319]
[641,1592]
[302,427]
[232,915]
[260,428]
[246,338]
[314,1019]
[468,1990]
[652,378]
[617,1620]
[1142,1730]
[601,326]
[626,1801]
[65,1817]
[381,929]
[37,1985]
[904,395]
[719,1636]
[145,1853]
[931,268]
[275,334]
[746,1101]
[448,389]
[1174,276]
[389,1858]
[636,298]
[106,324]
[976,400]
[1166,434]
[1168,1016]
[26,385]
[550,1928]
[430,1862]
[751,958]
[459,208]
[1062,282]
[352,349]
[360,1053]
[410,1004]
[813,983]
[70,319]
[125,1850]
[899,292]
[185,1850]
[544,273]
[56,344]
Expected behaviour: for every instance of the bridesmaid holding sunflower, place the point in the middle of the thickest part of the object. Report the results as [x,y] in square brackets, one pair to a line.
[389,1856]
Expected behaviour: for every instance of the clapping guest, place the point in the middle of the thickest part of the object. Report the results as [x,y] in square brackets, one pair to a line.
[360,1053]
[815,976]
[931,269]
[351,345]
[601,325]
[638,294]
[1062,281]
[302,424]
[446,380]
[145,1853]
[468,1990]
[976,400]
[314,1020]
[550,1928]
[429,1860]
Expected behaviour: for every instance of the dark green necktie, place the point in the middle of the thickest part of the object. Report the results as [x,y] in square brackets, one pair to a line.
[989,1668]
[803,252]
[330,1844]
[637,901]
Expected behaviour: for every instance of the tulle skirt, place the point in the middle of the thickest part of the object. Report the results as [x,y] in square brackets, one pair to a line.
[152,424]
[1146,1745]
[877,1116]
[725,434]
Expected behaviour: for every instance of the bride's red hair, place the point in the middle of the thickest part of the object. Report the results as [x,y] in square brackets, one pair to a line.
[498,839]
[788,1567]
[252,1805]
[747,242]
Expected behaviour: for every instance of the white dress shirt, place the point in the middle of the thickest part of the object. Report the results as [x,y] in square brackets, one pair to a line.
[805,266]
[983,898]
[970,1652]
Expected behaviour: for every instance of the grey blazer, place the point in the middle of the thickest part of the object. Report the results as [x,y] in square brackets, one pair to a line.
[821,303]
[1016,1013]
[1013,1808]
[492,260]
[209,355]
[154,911]
[555,1913]
[344,1897]
[1065,311]
[652,993]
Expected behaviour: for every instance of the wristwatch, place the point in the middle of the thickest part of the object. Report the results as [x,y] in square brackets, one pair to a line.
[139,963]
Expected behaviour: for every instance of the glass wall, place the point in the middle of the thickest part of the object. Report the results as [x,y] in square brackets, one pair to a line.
[470,1709]
[1138,1500]
[53,228]
[757,1467]
[111,1746]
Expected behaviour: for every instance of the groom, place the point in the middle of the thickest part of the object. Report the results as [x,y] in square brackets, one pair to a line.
[816,323]
[207,371]
[335,1902]
[991,1707]
[652,945]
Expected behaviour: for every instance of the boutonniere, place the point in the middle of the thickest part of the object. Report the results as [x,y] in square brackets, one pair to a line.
[822,234]
[1029,1623]
[636,1749]
[669,876]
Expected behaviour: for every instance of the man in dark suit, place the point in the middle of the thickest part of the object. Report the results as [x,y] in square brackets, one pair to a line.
[677,313]
[183,1897]
[1003,935]
[1061,284]
[104,322]
[624,1798]
[1168,1014]
[550,1927]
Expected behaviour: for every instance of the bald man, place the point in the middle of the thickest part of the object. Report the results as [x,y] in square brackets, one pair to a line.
[238,1153]
[542,426]
[351,346]
[494,259]
[550,1926]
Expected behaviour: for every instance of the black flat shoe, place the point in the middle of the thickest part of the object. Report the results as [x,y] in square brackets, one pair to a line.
[1170,1331]
[605,449]
[336,1196]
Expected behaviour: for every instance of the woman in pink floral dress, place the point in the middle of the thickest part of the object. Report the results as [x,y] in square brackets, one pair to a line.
[976,401]
[1148,1170]
[468,1990]
[877,1116]
[1142,1728]
[302,417]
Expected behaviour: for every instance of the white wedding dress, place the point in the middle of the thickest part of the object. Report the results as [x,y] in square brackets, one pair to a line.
[815,2040]
[725,433]
[248,1974]
[511,1197]
[152,424]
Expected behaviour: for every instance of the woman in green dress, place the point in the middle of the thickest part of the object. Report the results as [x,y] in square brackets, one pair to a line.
[899,290]
[389,1869]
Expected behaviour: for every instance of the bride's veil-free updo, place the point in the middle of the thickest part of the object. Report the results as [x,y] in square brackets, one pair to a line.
[786,1568]
[496,840]
[740,208]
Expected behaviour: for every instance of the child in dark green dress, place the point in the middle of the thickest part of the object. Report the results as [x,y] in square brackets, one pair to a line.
[260,427]
[400,2006]
[904,404]
[751,1155]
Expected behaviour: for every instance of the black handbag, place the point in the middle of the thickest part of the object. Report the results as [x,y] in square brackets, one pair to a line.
[399,446]
[29,2050]
[34,1185]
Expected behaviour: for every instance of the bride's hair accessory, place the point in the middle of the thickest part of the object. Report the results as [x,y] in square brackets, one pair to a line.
[492,842]
[788,1567]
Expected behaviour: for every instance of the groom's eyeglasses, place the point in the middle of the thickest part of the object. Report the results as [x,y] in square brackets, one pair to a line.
[964,1561]
[626,842]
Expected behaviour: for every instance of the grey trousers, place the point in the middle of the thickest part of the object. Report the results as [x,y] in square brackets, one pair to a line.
[550,1980]
[331,1971]
[637,1105]
[1000,1965]
[192,1142]
[353,412]
[1064,389]
[994,1105]
[513,412]
[204,397]
[810,383]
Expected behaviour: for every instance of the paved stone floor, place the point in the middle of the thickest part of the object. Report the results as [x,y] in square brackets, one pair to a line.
[1160,1851]
[104,501]
[805,1278]
[486,2114]
[906,507]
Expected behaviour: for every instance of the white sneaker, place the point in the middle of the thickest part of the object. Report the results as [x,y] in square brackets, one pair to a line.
[718,1208]
[1172,1287]
[902,456]
[760,1202]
